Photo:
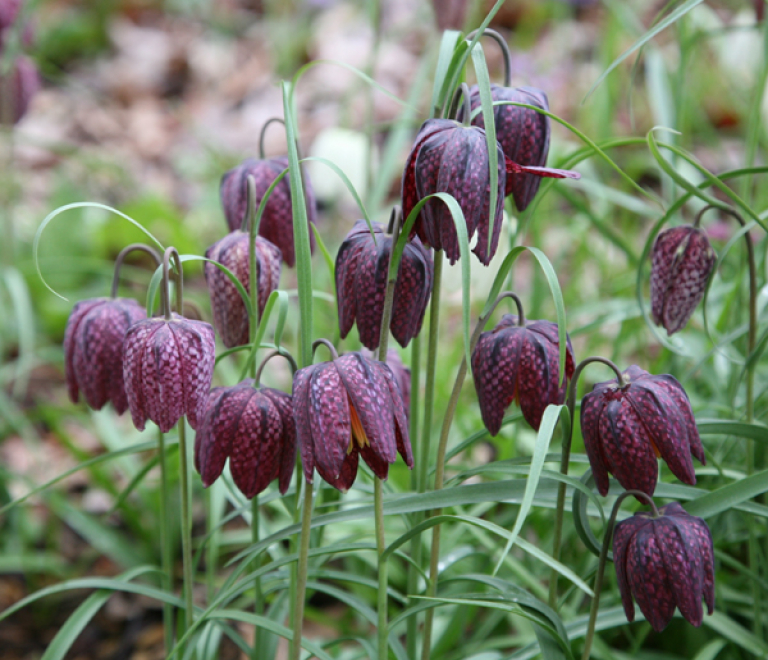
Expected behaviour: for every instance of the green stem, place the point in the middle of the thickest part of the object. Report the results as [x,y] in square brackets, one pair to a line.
[186,525]
[381,546]
[301,577]
[258,599]
[601,565]
[565,458]
[166,546]
[442,448]
[412,624]
[429,389]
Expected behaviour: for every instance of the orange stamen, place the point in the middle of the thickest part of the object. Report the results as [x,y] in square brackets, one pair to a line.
[358,433]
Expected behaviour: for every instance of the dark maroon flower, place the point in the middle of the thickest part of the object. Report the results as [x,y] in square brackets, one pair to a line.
[626,428]
[665,562]
[524,137]
[229,313]
[348,407]
[254,428]
[681,262]
[401,373]
[168,367]
[361,281]
[25,83]
[451,158]
[9,10]
[277,222]
[93,350]
[513,362]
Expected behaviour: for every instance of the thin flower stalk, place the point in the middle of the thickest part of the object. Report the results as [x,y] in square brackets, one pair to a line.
[440,465]
[565,457]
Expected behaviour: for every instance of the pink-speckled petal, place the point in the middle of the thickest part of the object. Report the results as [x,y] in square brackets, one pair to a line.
[347,473]
[137,338]
[229,312]
[592,406]
[495,364]
[622,536]
[370,289]
[329,419]
[79,311]
[370,395]
[197,351]
[626,447]
[648,578]
[256,446]
[284,404]
[210,453]
[269,266]
[301,406]
[163,379]
[412,292]
[399,409]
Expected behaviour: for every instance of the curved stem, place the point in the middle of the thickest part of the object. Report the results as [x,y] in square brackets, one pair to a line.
[603,560]
[328,345]
[565,457]
[442,447]
[301,579]
[279,352]
[141,247]
[169,253]
[466,110]
[262,134]
[504,51]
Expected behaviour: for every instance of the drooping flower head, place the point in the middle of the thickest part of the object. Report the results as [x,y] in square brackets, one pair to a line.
[521,363]
[277,222]
[451,158]
[168,367]
[346,408]
[254,428]
[523,135]
[361,281]
[681,262]
[625,427]
[93,350]
[230,315]
[665,562]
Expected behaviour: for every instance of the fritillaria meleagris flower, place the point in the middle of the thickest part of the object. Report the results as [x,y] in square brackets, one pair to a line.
[24,84]
[513,362]
[401,373]
[229,313]
[523,135]
[626,428]
[277,222]
[361,282]
[665,562]
[254,428]
[93,350]
[681,262]
[451,158]
[168,367]
[345,408]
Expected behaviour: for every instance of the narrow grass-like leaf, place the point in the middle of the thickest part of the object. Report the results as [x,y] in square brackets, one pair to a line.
[486,101]
[737,634]
[543,438]
[279,298]
[727,497]
[324,251]
[751,431]
[79,205]
[300,230]
[681,11]
[447,55]
[79,619]
[345,180]
[25,328]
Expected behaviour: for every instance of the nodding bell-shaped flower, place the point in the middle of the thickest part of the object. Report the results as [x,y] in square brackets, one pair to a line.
[681,262]
[626,426]
[93,350]
[277,222]
[361,281]
[168,368]
[524,137]
[519,362]
[451,158]
[230,315]
[24,83]
[401,373]
[345,408]
[254,428]
[665,562]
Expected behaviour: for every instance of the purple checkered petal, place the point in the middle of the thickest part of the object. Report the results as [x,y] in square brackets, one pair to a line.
[284,404]
[403,441]
[210,456]
[134,346]
[648,578]
[622,535]
[301,405]
[592,406]
[329,419]
[197,354]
